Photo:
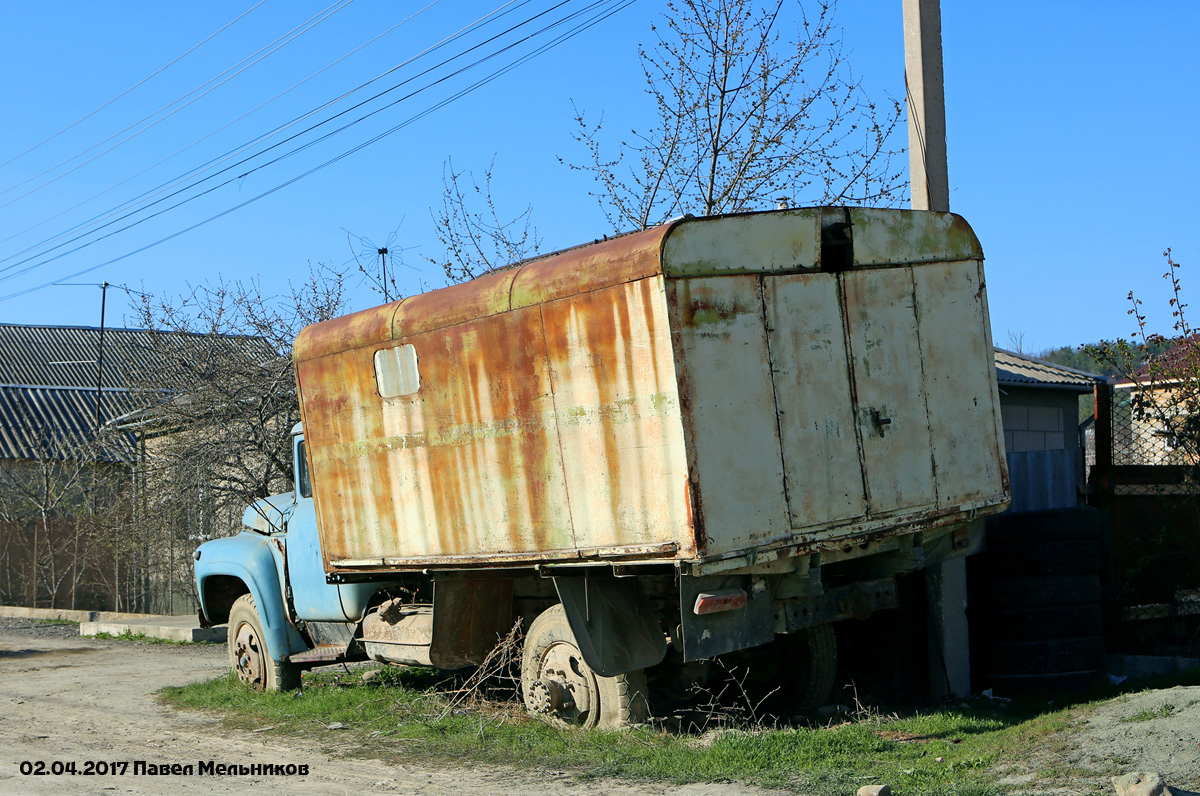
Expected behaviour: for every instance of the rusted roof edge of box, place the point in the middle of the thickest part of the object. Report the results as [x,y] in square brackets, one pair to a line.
[571,272]
[880,237]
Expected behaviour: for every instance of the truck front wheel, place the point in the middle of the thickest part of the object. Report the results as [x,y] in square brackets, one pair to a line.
[560,687]
[248,654]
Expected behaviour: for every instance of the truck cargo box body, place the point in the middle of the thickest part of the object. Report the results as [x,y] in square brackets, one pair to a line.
[761,384]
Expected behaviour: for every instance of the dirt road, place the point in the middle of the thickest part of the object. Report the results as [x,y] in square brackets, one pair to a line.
[69,699]
[65,699]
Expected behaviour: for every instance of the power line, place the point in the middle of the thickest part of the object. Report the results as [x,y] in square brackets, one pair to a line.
[152,75]
[238,150]
[614,7]
[278,144]
[180,151]
[286,39]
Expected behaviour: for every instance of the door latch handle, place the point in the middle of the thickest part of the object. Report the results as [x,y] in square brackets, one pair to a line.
[881,422]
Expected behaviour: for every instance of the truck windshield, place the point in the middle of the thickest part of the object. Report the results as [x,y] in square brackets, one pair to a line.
[303,483]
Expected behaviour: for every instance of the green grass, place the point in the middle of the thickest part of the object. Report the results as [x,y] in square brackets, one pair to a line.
[403,719]
[1164,711]
[59,622]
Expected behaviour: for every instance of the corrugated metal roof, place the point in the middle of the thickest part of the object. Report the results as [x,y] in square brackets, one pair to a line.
[48,381]
[59,422]
[66,356]
[1016,370]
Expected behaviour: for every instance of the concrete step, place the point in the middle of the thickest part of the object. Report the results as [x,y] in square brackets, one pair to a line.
[171,628]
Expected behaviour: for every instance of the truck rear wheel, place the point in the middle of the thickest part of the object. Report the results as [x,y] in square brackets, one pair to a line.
[810,667]
[560,687]
[248,654]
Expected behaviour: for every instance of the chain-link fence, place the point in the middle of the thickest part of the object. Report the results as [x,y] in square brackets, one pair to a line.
[1142,439]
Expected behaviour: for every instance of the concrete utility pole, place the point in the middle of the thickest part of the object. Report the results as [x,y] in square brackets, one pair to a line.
[926,105]
[100,361]
[946,570]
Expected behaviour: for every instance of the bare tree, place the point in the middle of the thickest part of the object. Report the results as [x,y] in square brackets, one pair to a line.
[752,106]
[1016,342]
[477,241]
[1162,377]
[48,503]
[218,436]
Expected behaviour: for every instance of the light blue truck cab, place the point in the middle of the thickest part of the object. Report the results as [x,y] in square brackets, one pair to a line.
[268,583]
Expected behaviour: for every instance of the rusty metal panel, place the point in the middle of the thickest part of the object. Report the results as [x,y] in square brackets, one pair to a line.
[729,410]
[960,383]
[566,273]
[815,406]
[469,465]
[892,417]
[888,237]
[479,298]
[334,336]
[748,243]
[617,408]
[587,268]
[470,615]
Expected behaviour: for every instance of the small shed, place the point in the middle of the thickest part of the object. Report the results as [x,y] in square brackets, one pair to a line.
[1039,405]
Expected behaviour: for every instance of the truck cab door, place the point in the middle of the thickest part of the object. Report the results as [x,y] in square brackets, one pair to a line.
[313,599]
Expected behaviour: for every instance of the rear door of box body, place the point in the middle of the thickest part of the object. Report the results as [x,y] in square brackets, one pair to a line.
[818,405]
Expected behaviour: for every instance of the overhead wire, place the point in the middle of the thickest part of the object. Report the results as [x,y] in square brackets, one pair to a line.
[144,80]
[180,151]
[275,146]
[286,39]
[498,13]
[614,7]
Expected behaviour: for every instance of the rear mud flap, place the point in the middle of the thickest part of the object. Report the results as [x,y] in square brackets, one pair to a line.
[612,621]
[712,634]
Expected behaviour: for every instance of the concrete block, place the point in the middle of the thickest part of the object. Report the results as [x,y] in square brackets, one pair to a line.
[1014,417]
[1028,441]
[165,627]
[1145,667]
[1045,418]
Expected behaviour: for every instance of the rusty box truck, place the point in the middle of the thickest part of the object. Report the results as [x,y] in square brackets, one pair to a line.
[709,436]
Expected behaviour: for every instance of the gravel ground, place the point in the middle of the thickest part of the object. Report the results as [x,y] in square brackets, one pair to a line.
[34,628]
[1157,730]
[74,700]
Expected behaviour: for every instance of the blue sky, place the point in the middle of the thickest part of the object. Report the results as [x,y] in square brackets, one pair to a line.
[1070,133]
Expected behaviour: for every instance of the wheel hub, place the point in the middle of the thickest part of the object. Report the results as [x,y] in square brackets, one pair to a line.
[250,663]
[565,686]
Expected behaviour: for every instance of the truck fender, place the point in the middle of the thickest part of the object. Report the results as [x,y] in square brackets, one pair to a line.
[612,621]
[247,558]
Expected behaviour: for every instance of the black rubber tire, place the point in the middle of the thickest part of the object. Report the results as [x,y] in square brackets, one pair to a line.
[1036,527]
[810,669]
[1038,624]
[1011,658]
[622,699]
[1080,557]
[245,638]
[1008,594]
[1049,684]
[1044,624]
